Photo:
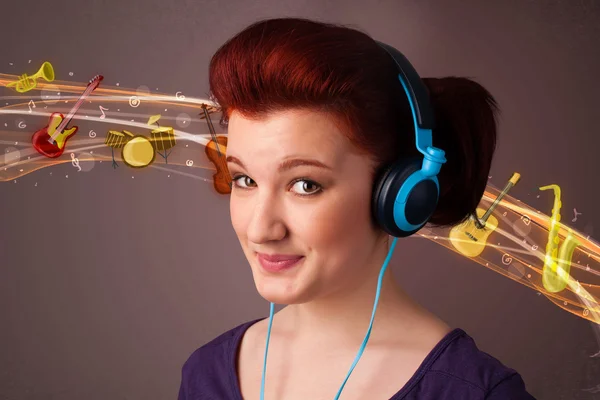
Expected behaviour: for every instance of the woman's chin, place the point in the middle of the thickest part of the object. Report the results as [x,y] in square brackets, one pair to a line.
[281,293]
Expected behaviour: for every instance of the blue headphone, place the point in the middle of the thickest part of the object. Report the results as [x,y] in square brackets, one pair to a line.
[406,194]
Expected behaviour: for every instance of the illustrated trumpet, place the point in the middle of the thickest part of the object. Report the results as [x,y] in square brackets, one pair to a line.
[26,83]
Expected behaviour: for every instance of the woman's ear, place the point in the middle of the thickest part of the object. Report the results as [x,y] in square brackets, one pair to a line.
[386,239]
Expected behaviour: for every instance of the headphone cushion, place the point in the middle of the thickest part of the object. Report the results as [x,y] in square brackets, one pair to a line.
[386,191]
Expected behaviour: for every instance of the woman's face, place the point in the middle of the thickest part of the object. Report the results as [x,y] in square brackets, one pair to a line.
[300,189]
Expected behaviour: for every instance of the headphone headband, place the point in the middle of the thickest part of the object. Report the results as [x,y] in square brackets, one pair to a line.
[407,193]
[416,88]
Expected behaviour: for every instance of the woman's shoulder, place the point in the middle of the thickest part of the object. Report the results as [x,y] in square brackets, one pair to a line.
[217,349]
[211,368]
[457,365]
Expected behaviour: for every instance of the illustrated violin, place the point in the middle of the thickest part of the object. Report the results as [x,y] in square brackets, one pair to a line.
[215,151]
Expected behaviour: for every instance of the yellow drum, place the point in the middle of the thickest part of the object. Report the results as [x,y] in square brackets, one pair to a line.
[138,152]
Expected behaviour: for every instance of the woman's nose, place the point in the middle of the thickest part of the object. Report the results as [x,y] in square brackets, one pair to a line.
[266,222]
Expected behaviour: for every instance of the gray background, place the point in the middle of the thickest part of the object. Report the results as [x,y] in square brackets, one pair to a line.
[107,295]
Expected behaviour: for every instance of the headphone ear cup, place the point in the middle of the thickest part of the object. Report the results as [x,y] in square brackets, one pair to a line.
[386,190]
[377,199]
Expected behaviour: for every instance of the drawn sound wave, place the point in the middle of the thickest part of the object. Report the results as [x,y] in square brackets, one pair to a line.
[107,108]
[515,249]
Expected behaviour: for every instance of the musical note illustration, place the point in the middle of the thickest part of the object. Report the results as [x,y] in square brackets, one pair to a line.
[31,103]
[576,214]
[102,109]
[75,162]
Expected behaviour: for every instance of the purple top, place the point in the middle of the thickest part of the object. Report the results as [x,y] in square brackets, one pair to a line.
[454,369]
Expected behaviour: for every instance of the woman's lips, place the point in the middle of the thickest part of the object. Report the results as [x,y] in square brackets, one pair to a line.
[278,262]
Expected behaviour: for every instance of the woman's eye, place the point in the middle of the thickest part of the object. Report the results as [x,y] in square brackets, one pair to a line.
[306,186]
[242,181]
[302,187]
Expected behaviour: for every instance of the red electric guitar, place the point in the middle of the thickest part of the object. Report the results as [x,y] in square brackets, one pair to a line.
[51,140]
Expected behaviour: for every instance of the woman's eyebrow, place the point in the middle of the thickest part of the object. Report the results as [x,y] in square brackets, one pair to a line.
[297,162]
[287,164]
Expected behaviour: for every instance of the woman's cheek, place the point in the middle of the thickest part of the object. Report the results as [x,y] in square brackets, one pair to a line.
[239,215]
[327,225]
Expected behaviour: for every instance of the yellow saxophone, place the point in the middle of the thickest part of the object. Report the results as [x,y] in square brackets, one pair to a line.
[557,263]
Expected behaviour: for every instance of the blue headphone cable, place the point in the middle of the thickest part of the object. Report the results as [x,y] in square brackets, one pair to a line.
[364,343]
[262,384]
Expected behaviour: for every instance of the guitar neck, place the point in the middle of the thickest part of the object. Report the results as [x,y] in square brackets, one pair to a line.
[69,116]
[512,182]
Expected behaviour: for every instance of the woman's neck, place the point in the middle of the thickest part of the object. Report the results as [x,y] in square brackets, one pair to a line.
[342,318]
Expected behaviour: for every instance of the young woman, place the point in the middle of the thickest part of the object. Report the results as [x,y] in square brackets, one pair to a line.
[316,113]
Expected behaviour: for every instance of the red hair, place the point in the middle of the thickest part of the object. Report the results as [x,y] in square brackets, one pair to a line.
[294,63]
